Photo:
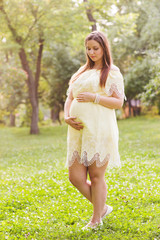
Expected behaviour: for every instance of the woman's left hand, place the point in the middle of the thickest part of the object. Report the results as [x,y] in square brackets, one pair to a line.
[85,97]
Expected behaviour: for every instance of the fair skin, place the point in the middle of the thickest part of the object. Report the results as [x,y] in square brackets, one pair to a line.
[95,190]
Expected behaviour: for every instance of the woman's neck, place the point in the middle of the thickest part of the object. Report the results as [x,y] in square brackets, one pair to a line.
[98,65]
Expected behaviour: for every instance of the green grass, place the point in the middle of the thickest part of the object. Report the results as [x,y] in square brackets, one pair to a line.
[37,200]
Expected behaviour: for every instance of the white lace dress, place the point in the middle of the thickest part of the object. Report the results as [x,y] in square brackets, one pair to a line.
[98,140]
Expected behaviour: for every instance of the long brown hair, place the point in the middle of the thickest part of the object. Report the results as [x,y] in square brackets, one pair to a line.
[107,59]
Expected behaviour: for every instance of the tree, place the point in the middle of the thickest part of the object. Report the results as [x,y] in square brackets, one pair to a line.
[145,43]
[135,42]
[20,38]
[151,94]
[89,11]
[37,23]
[57,70]
[13,90]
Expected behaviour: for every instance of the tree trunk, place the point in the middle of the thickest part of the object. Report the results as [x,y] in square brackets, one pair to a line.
[32,92]
[32,82]
[129,101]
[12,120]
[90,16]
[34,120]
[158,105]
[55,112]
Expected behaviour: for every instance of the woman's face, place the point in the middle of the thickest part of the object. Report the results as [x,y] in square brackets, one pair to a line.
[94,50]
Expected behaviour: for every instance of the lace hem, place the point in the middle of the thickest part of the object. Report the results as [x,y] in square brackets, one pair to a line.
[84,159]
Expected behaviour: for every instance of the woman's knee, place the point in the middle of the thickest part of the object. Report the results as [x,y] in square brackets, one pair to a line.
[95,179]
[96,174]
[75,179]
[77,174]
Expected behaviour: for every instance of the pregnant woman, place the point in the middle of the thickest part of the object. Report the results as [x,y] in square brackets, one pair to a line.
[94,92]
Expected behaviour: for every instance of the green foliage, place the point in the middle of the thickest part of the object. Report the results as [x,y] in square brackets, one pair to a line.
[13,88]
[135,42]
[57,21]
[25,120]
[39,202]
[32,26]
[131,26]
[151,94]
[137,77]
[58,68]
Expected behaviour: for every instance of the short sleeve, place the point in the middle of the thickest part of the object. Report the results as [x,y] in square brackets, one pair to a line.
[115,83]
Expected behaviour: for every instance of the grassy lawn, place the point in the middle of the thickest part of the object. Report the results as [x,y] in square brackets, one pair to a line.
[38,202]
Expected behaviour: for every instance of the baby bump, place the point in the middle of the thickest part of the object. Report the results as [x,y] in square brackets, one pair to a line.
[82,110]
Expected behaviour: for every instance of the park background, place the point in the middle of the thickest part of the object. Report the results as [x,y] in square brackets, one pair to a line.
[41,46]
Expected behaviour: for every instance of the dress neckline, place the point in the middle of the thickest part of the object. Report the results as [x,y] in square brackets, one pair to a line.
[93,69]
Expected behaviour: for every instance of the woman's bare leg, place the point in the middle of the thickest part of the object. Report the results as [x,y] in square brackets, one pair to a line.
[78,177]
[98,191]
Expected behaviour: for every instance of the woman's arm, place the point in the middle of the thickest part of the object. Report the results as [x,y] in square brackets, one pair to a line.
[67,105]
[113,102]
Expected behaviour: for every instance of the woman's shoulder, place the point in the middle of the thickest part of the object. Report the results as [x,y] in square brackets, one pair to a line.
[114,68]
[76,73]
[115,73]
[81,69]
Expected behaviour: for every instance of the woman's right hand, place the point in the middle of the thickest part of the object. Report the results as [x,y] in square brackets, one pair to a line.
[73,123]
